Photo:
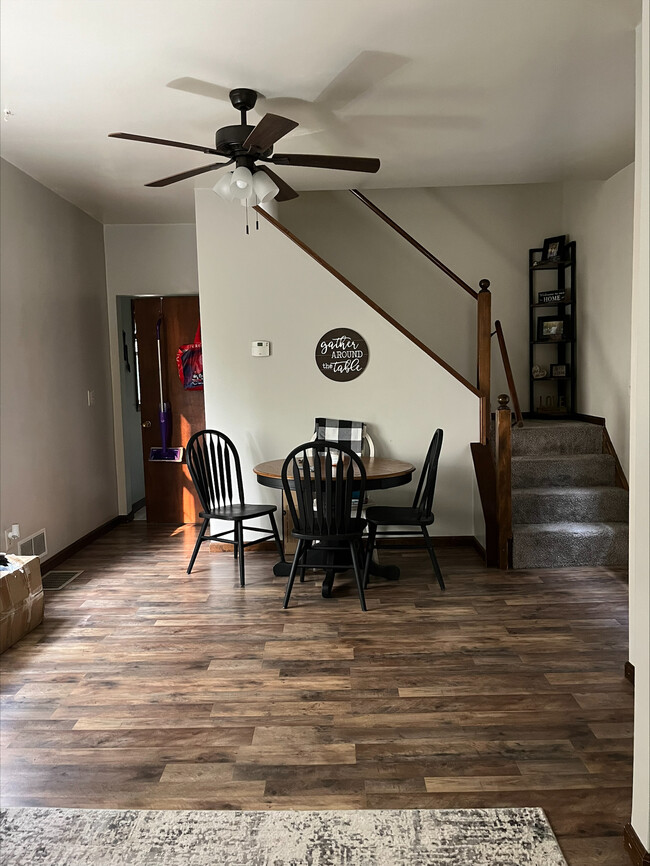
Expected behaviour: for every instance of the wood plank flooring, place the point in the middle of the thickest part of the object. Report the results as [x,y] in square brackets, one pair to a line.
[149,688]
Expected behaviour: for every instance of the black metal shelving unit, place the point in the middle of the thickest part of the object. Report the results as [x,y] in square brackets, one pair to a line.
[552,396]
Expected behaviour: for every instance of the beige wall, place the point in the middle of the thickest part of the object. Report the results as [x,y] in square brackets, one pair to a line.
[262,287]
[142,260]
[600,215]
[58,467]
[478,232]
[640,448]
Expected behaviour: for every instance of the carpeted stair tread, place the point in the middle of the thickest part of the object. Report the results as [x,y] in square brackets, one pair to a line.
[557,437]
[562,545]
[563,470]
[574,504]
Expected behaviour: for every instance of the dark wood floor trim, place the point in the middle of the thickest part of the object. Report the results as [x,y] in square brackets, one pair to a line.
[478,547]
[589,419]
[138,505]
[56,560]
[418,541]
[629,672]
[634,847]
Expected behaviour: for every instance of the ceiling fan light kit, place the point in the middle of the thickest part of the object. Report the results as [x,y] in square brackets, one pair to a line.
[264,187]
[241,184]
[247,145]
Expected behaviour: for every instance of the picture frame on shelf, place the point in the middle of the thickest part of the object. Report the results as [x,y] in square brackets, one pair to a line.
[553,249]
[560,371]
[552,329]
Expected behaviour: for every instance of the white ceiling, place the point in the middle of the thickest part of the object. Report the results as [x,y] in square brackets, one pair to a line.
[444,92]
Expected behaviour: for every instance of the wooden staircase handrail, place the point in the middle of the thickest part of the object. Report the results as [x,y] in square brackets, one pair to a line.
[508,370]
[418,246]
[504,481]
[285,231]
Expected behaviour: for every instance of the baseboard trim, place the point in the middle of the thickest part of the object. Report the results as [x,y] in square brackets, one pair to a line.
[589,419]
[634,847]
[629,672]
[478,547]
[56,560]
[418,541]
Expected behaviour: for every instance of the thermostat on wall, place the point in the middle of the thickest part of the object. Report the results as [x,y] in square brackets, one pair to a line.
[260,348]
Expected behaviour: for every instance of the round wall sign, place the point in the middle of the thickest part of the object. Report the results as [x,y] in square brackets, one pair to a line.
[342,354]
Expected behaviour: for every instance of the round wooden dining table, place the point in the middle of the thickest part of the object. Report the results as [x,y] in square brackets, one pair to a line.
[381,474]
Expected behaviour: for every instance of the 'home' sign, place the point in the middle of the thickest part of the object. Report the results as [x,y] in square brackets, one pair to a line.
[342,354]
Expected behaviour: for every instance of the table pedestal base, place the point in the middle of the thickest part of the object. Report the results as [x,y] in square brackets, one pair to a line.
[388,572]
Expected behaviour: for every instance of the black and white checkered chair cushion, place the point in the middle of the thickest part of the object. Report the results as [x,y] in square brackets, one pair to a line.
[351,433]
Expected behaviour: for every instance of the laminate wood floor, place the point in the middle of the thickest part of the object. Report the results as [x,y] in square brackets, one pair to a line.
[149,688]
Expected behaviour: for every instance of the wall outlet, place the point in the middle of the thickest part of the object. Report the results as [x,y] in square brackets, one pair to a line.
[12,534]
[91,397]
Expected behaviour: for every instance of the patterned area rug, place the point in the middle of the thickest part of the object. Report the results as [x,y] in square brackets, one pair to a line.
[94,837]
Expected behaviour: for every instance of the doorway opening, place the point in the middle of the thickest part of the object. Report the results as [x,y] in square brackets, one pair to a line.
[151,331]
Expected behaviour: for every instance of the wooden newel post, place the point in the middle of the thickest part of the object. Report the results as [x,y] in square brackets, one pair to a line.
[504,479]
[483,354]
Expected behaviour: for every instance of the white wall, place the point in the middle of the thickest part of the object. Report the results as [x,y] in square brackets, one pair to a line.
[478,232]
[58,468]
[600,216]
[264,287]
[640,448]
[142,260]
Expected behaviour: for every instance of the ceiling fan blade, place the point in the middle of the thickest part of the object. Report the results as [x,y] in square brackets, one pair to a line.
[315,160]
[174,178]
[201,88]
[286,192]
[361,75]
[147,138]
[270,129]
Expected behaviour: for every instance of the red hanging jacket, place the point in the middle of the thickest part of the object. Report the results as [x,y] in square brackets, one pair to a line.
[189,360]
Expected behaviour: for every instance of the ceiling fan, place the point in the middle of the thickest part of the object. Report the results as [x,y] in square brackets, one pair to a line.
[247,145]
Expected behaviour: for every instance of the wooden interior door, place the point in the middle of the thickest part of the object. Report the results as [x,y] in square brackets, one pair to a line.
[169,492]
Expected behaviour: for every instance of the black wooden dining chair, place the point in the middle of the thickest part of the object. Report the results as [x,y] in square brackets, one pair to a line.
[419,514]
[326,515]
[214,465]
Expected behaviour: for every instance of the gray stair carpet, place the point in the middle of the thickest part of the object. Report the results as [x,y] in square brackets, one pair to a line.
[566,508]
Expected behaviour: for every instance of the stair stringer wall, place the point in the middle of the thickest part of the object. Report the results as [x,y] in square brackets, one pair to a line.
[263,287]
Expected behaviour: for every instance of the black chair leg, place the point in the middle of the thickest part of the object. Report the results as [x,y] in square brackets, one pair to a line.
[357,575]
[239,535]
[370,546]
[276,536]
[433,557]
[305,552]
[292,573]
[199,539]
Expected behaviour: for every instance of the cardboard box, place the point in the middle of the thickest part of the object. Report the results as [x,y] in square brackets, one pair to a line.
[21,599]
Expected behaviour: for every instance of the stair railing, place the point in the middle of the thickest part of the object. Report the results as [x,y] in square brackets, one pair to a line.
[504,481]
[483,315]
[321,261]
[498,330]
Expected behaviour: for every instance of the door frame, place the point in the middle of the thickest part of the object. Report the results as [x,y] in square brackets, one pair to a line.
[124,509]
